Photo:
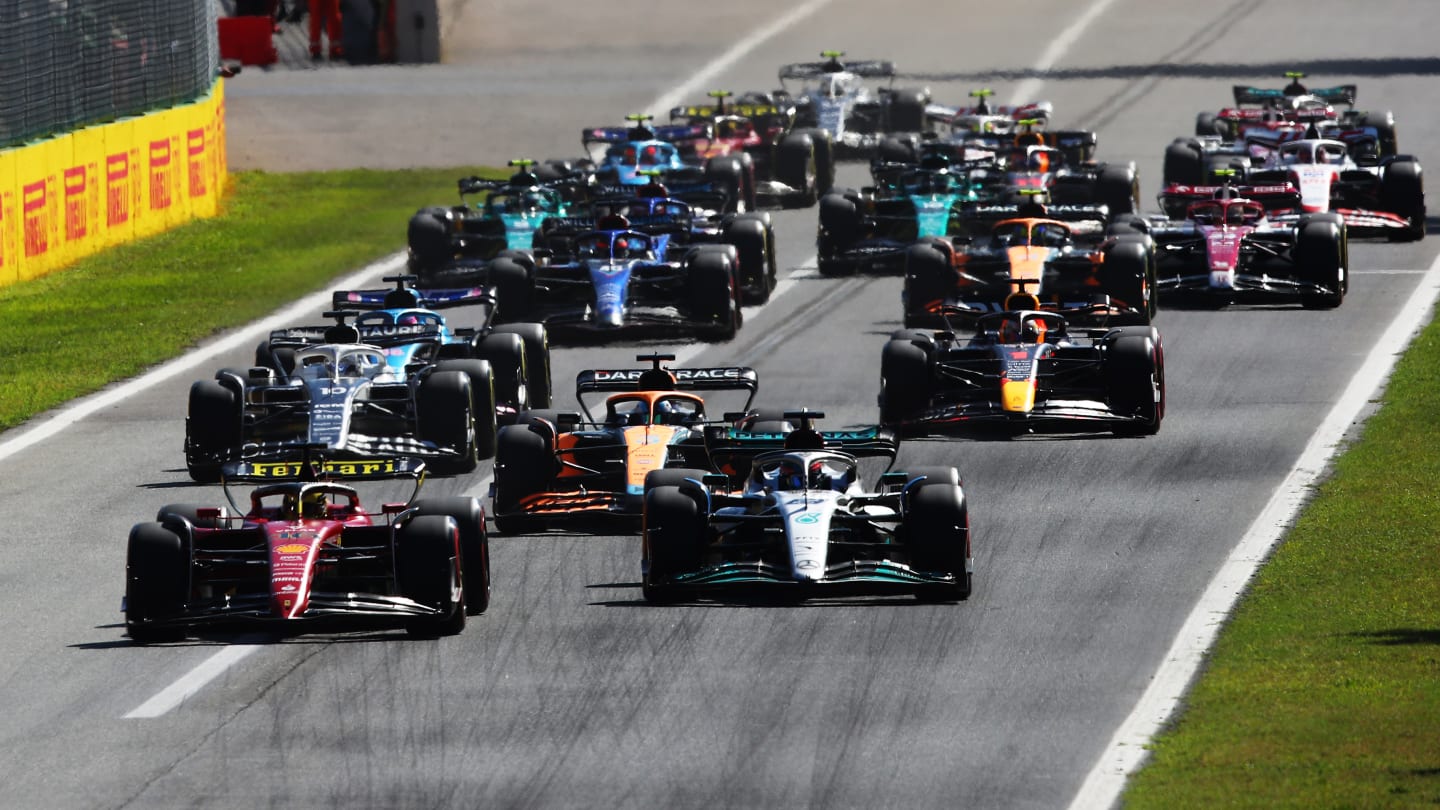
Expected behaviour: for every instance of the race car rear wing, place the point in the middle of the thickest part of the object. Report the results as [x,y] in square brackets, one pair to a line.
[722,378]
[431,298]
[387,335]
[870,69]
[742,109]
[674,133]
[306,468]
[732,450]
[1343,94]
[1175,198]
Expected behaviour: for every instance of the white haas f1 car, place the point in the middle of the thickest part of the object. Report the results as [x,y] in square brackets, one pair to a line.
[799,524]
[1385,197]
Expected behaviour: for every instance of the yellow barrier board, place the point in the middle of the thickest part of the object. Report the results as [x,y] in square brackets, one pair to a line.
[70,196]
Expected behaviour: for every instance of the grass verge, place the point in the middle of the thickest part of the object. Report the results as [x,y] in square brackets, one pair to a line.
[117,313]
[1324,688]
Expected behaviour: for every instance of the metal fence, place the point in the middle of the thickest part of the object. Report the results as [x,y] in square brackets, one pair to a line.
[65,64]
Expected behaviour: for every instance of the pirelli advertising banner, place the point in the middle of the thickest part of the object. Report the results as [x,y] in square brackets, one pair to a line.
[69,196]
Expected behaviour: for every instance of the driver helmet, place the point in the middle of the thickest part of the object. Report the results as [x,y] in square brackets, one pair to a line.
[819,476]
[650,155]
[790,476]
[313,505]
[408,319]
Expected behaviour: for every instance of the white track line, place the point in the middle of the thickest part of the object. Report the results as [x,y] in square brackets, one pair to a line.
[1029,88]
[192,682]
[205,353]
[1126,750]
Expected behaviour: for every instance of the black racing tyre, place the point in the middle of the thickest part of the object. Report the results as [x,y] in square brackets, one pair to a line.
[469,517]
[484,396]
[212,426]
[896,149]
[937,533]
[1184,164]
[824,160]
[444,413]
[1128,274]
[1117,186]
[930,278]
[1135,379]
[281,359]
[1402,191]
[904,380]
[710,290]
[537,361]
[684,478]
[514,289]
[524,466]
[907,110]
[795,167]
[426,569]
[1207,123]
[430,237]
[840,226]
[1320,259]
[1384,124]
[157,583]
[752,241]
[1126,225]
[674,534]
[727,173]
[505,355]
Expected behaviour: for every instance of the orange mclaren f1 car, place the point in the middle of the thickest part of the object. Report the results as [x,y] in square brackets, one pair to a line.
[554,468]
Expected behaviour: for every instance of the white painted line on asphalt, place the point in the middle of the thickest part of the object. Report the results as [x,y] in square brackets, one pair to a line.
[303,309]
[677,95]
[1126,750]
[191,682]
[1029,88]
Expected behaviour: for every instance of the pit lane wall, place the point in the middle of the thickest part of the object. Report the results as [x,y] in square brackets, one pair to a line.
[70,196]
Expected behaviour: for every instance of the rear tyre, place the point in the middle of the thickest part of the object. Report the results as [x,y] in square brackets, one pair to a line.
[514,290]
[524,466]
[907,110]
[212,429]
[157,583]
[904,381]
[537,361]
[1183,164]
[712,295]
[674,531]
[937,527]
[727,173]
[1402,191]
[1320,257]
[1128,275]
[427,571]
[505,355]
[469,517]
[1118,188]
[444,406]
[840,226]
[930,279]
[1135,378]
[751,240]
[795,167]
[429,237]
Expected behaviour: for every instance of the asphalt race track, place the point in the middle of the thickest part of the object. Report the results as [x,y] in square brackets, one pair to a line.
[570,691]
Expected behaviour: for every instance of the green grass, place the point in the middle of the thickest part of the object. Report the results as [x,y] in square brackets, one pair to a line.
[280,236]
[1324,688]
